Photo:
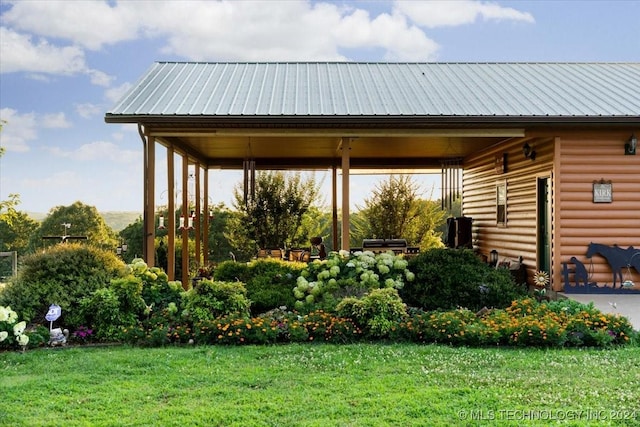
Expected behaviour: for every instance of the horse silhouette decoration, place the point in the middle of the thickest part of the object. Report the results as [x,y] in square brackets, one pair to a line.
[620,260]
[617,257]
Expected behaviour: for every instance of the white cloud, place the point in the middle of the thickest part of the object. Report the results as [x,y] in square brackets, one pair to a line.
[115,93]
[277,31]
[20,129]
[88,110]
[17,130]
[442,13]
[55,121]
[99,150]
[20,53]
[90,24]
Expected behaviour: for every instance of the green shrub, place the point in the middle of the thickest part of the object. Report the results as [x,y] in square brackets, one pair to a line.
[101,310]
[324,283]
[378,312]
[450,278]
[269,282]
[38,336]
[62,275]
[231,271]
[157,292]
[210,299]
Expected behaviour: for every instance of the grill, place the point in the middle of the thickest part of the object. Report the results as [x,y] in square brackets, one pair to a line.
[398,246]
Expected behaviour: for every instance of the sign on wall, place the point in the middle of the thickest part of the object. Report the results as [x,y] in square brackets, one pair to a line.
[602,191]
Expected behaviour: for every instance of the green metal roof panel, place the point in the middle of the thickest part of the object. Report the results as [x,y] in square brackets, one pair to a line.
[385,89]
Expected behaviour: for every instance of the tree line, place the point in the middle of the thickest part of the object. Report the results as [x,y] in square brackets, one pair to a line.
[282,211]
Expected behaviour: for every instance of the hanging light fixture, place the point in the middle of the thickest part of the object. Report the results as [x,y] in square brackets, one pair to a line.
[181,227]
[191,216]
[631,145]
[529,152]
[161,222]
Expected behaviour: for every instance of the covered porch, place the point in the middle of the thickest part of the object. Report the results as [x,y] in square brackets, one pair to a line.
[497,126]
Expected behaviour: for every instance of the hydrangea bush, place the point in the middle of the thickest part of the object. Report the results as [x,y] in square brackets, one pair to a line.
[12,332]
[324,283]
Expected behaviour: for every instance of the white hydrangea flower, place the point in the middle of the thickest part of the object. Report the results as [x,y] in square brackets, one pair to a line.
[400,264]
[4,314]
[13,316]
[344,253]
[409,275]
[383,268]
[23,340]
[334,271]
[18,328]
[324,275]
[3,335]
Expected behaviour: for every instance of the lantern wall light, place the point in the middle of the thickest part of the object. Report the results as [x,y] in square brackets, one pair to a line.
[631,145]
[528,151]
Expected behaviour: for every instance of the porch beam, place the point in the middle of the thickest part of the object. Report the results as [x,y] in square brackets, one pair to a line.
[339,133]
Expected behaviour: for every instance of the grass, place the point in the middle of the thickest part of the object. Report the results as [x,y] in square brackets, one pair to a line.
[319,385]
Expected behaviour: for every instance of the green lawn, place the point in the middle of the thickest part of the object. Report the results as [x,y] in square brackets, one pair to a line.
[319,385]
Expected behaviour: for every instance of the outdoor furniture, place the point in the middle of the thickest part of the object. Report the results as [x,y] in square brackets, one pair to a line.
[270,253]
[299,254]
[398,246]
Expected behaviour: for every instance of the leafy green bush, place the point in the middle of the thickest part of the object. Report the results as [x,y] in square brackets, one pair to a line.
[450,278]
[378,312]
[62,275]
[38,336]
[231,271]
[324,283]
[101,310]
[128,301]
[210,299]
[157,291]
[269,282]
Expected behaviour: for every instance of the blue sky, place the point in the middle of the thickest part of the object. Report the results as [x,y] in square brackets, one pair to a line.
[63,64]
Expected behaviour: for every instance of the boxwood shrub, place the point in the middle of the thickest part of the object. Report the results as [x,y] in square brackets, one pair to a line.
[269,282]
[62,275]
[450,278]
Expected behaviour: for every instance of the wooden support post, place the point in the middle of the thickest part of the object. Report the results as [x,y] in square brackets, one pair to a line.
[196,219]
[171,215]
[185,215]
[346,147]
[150,206]
[206,207]
[334,204]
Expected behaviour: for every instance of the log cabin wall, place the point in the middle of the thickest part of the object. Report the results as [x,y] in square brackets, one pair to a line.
[572,161]
[518,236]
[581,160]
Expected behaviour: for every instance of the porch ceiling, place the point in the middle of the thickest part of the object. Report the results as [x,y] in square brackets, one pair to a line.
[321,148]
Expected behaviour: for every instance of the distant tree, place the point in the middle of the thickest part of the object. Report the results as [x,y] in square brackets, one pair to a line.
[396,211]
[2,123]
[359,228]
[315,222]
[273,215]
[16,228]
[219,246]
[392,208]
[85,221]
[132,235]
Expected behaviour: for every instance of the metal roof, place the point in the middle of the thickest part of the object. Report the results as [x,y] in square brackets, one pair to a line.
[358,89]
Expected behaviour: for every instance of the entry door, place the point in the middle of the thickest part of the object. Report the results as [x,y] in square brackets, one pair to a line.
[544,224]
